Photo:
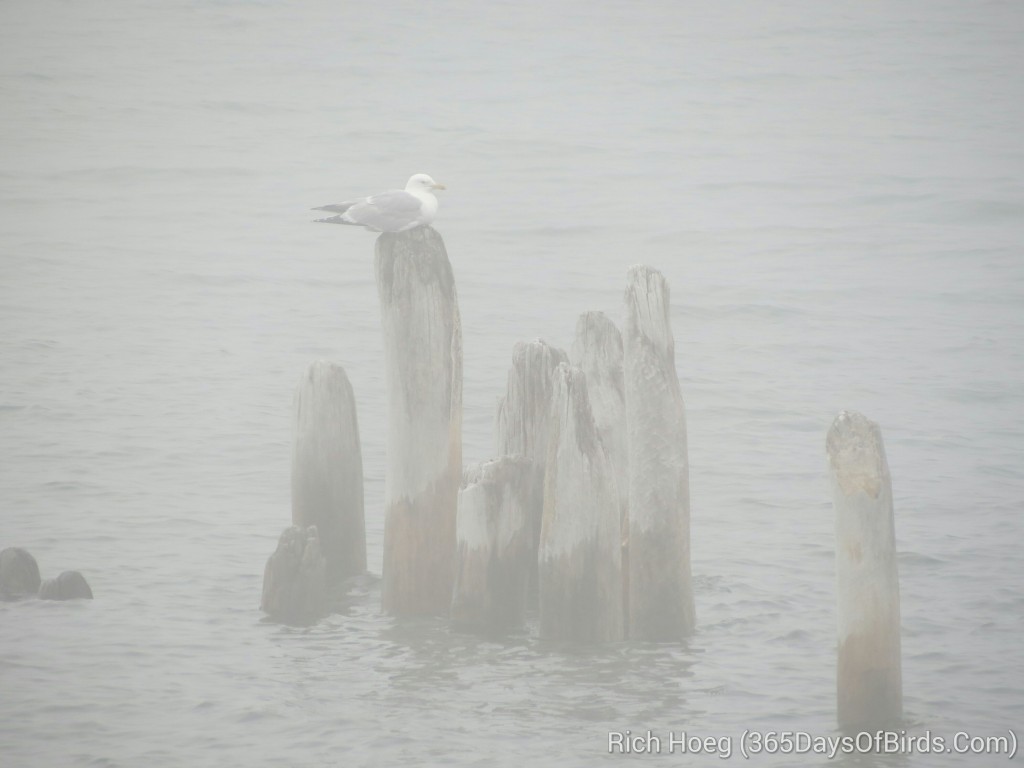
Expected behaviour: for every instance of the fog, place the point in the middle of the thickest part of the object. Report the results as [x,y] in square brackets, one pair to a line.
[832,194]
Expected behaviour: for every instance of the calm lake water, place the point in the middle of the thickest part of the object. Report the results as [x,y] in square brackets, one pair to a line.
[834,192]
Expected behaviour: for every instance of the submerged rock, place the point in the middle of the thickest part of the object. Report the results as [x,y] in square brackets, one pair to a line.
[295,579]
[70,585]
[19,574]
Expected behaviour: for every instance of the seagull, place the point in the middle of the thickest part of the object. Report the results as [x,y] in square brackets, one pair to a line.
[394,211]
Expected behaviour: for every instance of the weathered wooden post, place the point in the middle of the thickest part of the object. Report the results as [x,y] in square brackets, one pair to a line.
[496,553]
[295,579]
[869,683]
[580,563]
[423,374]
[597,350]
[523,417]
[327,468]
[660,590]
[523,421]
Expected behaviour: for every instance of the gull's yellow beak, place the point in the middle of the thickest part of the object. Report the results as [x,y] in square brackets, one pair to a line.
[439,186]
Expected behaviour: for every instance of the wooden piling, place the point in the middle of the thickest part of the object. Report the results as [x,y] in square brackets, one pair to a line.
[597,350]
[869,685]
[660,590]
[327,468]
[496,554]
[522,423]
[580,565]
[423,378]
[523,416]
[295,580]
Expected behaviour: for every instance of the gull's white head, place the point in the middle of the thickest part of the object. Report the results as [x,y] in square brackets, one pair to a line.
[420,182]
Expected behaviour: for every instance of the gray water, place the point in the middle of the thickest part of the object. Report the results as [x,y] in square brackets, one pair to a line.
[832,190]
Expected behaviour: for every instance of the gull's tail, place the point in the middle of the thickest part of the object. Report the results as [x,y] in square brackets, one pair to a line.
[340,209]
[335,220]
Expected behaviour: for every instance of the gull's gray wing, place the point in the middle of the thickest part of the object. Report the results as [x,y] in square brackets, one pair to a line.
[386,212]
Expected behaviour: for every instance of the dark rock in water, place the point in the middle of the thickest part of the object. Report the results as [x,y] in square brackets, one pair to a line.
[19,574]
[295,579]
[70,585]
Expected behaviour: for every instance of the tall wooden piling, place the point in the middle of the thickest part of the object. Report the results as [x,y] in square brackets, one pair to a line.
[869,684]
[496,553]
[523,416]
[327,468]
[597,350]
[523,421]
[423,375]
[660,590]
[580,563]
